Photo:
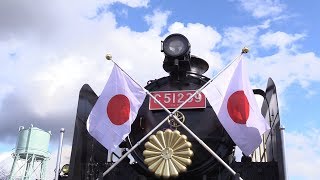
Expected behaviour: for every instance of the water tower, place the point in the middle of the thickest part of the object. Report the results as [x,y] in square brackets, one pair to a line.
[31,154]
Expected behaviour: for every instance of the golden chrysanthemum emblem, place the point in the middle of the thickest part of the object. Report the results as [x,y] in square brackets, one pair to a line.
[167,153]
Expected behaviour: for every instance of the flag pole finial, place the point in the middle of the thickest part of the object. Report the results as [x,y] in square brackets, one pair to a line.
[245,50]
[109,56]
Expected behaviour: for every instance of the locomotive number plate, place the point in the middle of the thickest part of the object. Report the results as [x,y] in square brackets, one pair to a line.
[173,99]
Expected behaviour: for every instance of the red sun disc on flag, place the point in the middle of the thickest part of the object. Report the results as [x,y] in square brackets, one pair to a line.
[238,107]
[118,109]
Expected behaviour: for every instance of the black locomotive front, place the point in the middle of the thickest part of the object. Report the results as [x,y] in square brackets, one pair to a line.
[185,74]
[89,159]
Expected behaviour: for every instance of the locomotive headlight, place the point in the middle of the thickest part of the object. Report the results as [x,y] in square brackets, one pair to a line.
[65,169]
[176,45]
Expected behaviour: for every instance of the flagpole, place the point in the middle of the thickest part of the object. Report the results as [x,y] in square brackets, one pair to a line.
[109,57]
[244,50]
[207,83]
[207,148]
[171,114]
[145,90]
[134,147]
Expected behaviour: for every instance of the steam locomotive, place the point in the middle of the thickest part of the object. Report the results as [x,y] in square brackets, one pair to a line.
[89,159]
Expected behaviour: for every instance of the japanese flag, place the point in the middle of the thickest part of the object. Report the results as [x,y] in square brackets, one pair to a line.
[111,117]
[231,97]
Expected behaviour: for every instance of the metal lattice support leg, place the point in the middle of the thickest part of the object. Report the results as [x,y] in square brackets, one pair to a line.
[28,167]
[16,158]
[43,169]
[31,166]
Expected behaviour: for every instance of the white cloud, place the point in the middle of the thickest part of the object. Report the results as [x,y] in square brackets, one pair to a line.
[263,8]
[235,38]
[5,164]
[302,153]
[279,39]
[130,3]
[300,67]
[239,36]
[157,21]
[44,21]
[51,65]
[4,156]
[287,68]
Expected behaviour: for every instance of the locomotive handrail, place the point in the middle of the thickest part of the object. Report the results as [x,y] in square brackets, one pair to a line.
[171,114]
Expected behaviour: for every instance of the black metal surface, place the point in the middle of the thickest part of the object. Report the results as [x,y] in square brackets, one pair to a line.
[203,122]
[270,110]
[257,170]
[198,65]
[247,171]
[88,157]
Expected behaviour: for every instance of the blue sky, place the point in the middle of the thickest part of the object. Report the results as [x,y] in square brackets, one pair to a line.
[48,50]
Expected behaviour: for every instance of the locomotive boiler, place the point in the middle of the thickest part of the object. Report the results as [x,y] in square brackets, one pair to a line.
[171,152]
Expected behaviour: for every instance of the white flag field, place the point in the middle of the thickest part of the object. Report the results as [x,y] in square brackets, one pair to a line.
[232,98]
[111,117]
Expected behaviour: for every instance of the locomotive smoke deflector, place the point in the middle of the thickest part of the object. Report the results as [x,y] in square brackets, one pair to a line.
[178,61]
